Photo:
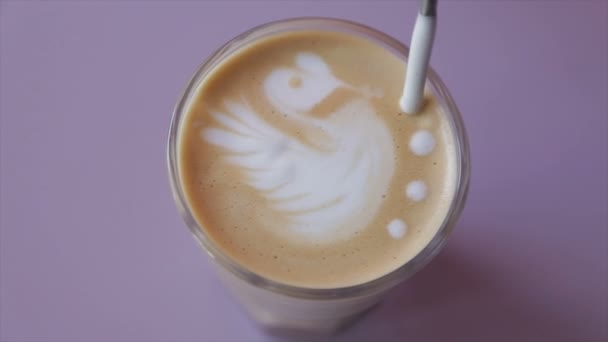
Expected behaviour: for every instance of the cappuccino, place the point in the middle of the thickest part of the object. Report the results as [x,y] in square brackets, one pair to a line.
[297,162]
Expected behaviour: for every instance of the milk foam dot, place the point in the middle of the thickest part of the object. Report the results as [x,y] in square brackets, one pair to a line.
[416,190]
[397,228]
[422,143]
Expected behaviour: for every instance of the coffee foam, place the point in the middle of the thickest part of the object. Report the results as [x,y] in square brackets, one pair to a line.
[324,194]
[296,168]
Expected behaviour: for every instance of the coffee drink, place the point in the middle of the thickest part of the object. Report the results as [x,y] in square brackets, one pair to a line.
[297,162]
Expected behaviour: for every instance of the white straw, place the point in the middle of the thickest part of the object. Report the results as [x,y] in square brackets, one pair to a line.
[418,60]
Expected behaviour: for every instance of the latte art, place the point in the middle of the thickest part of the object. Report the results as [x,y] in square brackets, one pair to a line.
[298,163]
[325,194]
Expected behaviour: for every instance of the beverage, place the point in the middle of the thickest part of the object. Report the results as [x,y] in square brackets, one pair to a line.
[297,166]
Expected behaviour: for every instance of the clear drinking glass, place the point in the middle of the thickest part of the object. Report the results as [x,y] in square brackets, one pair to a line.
[284,307]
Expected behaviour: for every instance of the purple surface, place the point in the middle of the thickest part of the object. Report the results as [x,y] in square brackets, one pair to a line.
[92,248]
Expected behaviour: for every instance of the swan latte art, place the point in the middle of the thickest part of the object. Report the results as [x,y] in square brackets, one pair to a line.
[298,163]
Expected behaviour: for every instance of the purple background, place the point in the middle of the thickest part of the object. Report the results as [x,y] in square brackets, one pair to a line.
[92,247]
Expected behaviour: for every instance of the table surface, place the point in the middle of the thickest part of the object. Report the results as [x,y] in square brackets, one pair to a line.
[92,247]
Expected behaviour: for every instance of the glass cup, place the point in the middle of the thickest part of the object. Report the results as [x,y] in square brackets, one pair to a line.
[277,306]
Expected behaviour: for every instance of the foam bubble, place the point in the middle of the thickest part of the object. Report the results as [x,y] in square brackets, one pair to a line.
[416,190]
[397,228]
[422,142]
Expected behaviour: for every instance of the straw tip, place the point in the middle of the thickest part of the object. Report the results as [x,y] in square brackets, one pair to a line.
[410,105]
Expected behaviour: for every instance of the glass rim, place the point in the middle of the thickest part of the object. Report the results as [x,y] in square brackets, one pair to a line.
[383,282]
